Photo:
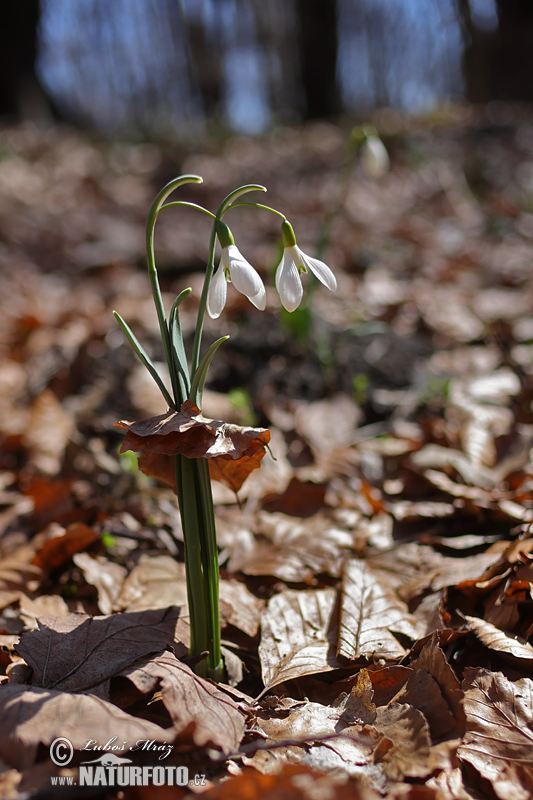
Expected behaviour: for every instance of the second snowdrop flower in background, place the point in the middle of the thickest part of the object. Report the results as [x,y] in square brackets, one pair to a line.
[291,266]
[233,268]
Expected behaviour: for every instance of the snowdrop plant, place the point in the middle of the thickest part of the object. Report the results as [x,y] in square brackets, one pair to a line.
[191,475]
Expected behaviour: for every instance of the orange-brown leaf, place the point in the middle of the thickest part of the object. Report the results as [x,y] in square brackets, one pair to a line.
[233,451]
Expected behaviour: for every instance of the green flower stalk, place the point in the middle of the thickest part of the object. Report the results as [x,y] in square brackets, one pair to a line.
[190,474]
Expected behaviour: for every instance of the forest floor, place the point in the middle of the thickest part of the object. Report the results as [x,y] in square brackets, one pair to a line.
[376,577]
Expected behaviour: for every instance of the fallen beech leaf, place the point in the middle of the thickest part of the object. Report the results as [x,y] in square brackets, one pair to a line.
[47,433]
[154,582]
[77,652]
[404,750]
[499,731]
[298,635]
[59,545]
[369,614]
[300,499]
[321,737]
[244,608]
[236,450]
[293,782]
[31,716]
[43,605]
[290,549]
[105,575]
[214,715]
[435,455]
[505,645]
[52,500]
[432,659]
[313,421]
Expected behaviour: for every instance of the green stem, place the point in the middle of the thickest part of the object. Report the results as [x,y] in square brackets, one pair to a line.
[211,569]
[188,205]
[224,206]
[152,271]
[190,509]
[195,358]
[258,205]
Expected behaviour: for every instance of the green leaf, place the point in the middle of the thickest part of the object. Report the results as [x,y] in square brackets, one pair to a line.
[144,358]
[179,357]
[198,381]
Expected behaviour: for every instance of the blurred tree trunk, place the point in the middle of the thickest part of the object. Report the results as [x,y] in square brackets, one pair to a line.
[318,53]
[21,95]
[516,49]
[498,64]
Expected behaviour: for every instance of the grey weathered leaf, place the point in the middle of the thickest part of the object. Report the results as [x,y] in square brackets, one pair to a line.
[298,635]
[369,614]
[77,652]
[215,715]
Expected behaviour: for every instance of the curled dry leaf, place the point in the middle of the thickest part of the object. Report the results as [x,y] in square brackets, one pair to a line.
[77,652]
[509,648]
[191,701]
[499,731]
[233,451]
[31,716]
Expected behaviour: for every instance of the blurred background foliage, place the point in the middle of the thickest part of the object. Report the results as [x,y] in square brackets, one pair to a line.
[160,68]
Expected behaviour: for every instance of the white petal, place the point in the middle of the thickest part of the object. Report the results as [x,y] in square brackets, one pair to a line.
[216,296]
[374,157]
[243,276]
[259,300]
[288,281]
[320,270]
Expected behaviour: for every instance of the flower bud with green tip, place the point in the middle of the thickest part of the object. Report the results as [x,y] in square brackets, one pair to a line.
[293,263]
[233,268]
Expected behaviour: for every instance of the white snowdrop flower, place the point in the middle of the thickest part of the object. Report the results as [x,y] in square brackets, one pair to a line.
[291,266]
[374,157]
[233,268]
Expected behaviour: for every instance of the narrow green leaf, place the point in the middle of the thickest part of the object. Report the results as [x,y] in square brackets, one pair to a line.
[179,357]
[144,358]
[198,381]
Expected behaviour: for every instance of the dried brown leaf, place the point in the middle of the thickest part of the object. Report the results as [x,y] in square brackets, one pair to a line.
[493,637]
[191,701]
[370,613]
[291,783]
[43,605]
[244,608]
[293,550]
[404,749]
[235,450]
[298,635]
[77,652]
[105,575]
[499,731]
[31,716]
[60,544]
[154,582]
